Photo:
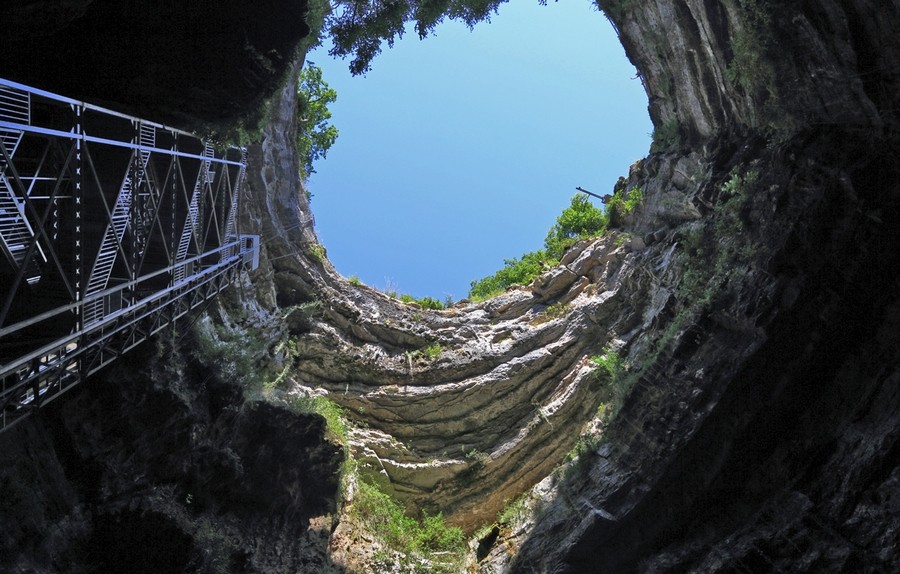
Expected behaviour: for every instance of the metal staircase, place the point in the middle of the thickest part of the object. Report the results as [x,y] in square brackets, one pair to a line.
[231,223]
[115,230]
[16,234]
[140,225]
[91,219]
[191,222]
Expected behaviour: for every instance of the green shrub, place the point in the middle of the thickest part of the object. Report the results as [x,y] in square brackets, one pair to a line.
[635,198]
[552,312]
[583,445]
[738,184]
[233,355]
[717,252]
[749,66]
[609,365]
[578,457]
[317,251]
[430,303]
[611,373]
[514,272]
[432,352]
[385,518]
[580,220]
[434,534]
[354,280]
[332,412]
[424,302]
[623,203]
[513,511]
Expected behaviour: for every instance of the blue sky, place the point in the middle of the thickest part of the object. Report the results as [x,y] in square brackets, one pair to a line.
[459,151]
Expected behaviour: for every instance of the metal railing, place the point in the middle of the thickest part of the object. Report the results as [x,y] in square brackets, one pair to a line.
[131,225]
[36,378]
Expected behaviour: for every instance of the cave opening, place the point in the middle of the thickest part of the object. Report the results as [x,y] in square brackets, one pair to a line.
[458,152]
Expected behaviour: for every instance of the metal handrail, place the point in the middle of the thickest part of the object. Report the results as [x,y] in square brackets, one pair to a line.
[87,106]
[94,139]
[112,317]
[60,362]
[100,294]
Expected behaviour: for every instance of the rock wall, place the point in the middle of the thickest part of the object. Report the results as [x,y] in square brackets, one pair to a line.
[158,466]
[755,437]
[456,433]
[763,435]
[753,298]
[726,343]
[715,68]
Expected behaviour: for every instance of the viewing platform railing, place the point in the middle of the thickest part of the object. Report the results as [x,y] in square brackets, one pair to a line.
[111,228]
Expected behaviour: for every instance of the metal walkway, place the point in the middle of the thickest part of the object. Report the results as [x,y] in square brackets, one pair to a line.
[111,228]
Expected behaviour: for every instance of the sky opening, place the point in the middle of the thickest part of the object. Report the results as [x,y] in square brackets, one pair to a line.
[459,151]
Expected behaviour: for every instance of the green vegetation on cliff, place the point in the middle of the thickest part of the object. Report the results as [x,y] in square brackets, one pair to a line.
[315,135]
[428,545]
[580,220]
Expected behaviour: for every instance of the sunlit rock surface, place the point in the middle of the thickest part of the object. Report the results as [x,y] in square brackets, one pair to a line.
[753,296]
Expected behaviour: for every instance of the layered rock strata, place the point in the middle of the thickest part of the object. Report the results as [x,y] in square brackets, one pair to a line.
[753,298]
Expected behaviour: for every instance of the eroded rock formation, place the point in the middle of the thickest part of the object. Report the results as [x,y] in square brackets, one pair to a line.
[754,297]
[767,285]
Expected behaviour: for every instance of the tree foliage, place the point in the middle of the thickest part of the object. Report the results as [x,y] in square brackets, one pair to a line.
[358,28]
[315,135]
[581,219]
[515,272]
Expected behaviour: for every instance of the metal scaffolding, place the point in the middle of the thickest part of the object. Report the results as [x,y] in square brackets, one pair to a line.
[111,227]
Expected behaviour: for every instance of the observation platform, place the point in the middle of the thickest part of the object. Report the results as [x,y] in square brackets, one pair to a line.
[111,228]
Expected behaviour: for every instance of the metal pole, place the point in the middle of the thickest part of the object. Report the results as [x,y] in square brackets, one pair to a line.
[582,190]
[79,232]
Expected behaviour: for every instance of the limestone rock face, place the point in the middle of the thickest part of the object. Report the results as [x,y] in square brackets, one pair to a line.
[728,452]
[711,68]
[457,432]
[753,299]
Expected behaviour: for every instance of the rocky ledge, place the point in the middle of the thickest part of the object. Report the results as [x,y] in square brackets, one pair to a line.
[752,301]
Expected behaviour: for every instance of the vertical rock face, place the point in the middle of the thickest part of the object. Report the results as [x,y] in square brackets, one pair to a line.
[757,436]
[712,68]
[754,298]
[764,434]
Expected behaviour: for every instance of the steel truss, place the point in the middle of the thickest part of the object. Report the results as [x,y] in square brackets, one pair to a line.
[111,227]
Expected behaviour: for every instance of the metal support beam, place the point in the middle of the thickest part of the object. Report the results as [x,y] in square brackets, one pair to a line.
[100,265]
